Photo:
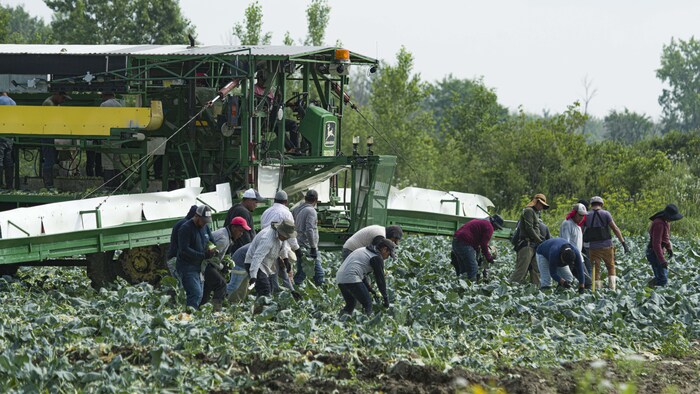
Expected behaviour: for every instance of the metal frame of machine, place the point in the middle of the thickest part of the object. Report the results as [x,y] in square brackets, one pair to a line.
[204,121]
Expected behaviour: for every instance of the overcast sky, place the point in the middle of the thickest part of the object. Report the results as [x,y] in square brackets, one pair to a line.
[535,54]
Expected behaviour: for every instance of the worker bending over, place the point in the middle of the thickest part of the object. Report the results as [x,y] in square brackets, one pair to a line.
[352,275]
[472,238]
[366,235]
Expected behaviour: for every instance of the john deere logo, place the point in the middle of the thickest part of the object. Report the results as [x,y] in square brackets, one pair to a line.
[329,140]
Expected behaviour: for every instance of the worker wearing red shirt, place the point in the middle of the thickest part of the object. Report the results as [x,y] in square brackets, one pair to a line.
[659,239]
[473,237]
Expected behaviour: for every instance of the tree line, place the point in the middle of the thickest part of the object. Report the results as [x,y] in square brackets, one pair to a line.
[453,134]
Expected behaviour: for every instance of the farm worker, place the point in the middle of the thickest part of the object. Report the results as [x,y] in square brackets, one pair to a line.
[248,203]
[597,233]
[366,235]
[352,275]
[554,256]
[7,164]
[274,102]
[107,161]
[306,220]
[48,151]
[530,237]
[279,212]
[263,252]
[237,287]
[659,239]
[570,230]
[214,280]
[171,257]
[192,241]
[472,238]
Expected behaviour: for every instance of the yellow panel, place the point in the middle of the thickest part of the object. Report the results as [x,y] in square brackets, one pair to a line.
[77,121]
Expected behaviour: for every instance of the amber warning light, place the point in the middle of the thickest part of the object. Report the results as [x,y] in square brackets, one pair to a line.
[342,55]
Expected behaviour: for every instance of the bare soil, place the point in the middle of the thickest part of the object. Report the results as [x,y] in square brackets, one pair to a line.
[341,374]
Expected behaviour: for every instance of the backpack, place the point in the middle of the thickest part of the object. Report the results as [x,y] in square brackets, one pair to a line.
[593,234]
[515,237]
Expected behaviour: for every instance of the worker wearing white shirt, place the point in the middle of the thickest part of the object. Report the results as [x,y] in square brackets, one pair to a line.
[278,213]
[263,253]
[364,237]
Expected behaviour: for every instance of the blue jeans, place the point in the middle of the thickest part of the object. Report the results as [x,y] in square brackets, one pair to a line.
[466,259]
[238,275]
[318,271]
[546,276]
[192,282]
[660,273]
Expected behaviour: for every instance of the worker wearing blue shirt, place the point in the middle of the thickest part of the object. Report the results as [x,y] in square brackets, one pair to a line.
[192,240]
[554,256]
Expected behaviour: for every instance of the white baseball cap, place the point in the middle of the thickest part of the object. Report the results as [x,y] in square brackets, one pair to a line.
[252,193]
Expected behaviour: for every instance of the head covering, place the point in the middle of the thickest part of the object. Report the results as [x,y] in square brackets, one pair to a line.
[204,212]
[386,243]
[311,195]
[395,232]
[191,212]
[253,195]
[496,222]
[541,198]
[567,256]
[376,240]
[239,221]
[580,209]
[669,213]
[597,200]
[281,196]
[285,228]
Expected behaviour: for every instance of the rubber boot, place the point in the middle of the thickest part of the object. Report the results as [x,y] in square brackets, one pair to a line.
[216,305]
[612,282]
[599,284]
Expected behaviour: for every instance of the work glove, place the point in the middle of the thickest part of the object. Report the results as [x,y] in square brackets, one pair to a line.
[298,254]
[287,265]
[485,274]
[313,253]
[670,253]
[386,302]
[296,295]
[563,283]
[625,247]
[251,281]
[664,264]
[581,290]
[209,253]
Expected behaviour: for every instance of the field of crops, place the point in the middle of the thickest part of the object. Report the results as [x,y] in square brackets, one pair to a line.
[440,334]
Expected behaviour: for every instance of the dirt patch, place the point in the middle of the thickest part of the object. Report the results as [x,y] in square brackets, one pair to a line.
[342,374]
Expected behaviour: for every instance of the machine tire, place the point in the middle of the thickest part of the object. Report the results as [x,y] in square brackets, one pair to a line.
[8,269]
[143,264]
[101,269]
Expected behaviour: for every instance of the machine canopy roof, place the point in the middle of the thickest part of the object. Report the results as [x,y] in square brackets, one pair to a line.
[277,51]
